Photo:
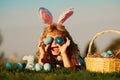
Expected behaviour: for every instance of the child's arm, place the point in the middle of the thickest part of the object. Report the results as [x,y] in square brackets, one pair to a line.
[42,52]
[66,61]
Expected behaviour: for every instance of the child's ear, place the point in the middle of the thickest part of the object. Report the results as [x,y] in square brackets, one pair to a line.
[65,16]
[45,15]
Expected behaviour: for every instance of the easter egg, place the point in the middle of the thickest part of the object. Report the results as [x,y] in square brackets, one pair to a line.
[59,58]
[110,52]
[24,65]
[47,67]
[104,54]
[59,40]
[58,66]
[38,67]
[19,65]
[8,65]
[47,40]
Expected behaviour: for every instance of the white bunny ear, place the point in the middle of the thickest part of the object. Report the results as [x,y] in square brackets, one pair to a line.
[25,57]
[45,15]
[65,15]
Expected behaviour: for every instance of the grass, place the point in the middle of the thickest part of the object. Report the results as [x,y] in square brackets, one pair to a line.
[55,74]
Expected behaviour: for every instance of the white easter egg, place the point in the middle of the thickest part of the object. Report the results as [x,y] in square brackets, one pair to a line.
[59,58]
[38,67]
[47,67]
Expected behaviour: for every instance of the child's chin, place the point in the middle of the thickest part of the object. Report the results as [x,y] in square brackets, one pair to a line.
[55,53]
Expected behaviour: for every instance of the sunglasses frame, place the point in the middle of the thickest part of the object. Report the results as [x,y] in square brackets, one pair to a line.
[49,40]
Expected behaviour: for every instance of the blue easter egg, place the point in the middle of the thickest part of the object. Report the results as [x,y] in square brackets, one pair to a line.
[47,40]
[110,52]
[8,65]
[104,54]
[19,65]
[24,65]
[47,67]
[59,40]
[38,67]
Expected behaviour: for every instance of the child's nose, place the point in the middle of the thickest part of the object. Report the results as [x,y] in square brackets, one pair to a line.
[54,42]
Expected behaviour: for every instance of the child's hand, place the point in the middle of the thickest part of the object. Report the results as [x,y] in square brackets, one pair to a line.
[43,48]
[64,46]
[66,61]
[42,51]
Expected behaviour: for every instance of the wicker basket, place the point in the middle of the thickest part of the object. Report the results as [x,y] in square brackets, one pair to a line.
[99,64]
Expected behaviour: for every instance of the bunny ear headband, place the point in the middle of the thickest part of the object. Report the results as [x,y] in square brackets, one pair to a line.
[47,18]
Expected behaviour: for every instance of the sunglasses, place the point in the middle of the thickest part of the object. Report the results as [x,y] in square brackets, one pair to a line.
[58,40]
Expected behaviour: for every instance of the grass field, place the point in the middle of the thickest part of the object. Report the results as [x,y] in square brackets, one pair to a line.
[54,74]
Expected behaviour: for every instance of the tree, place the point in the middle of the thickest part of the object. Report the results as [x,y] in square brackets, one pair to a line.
[93,49]
[1,38]
[114,45]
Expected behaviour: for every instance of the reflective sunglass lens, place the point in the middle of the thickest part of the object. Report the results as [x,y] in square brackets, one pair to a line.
[47,40]
[59,40]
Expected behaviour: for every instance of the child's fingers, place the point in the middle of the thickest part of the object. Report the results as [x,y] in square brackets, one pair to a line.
[67,42]
[40,43]
[47,46]
[64,46]
[43,46]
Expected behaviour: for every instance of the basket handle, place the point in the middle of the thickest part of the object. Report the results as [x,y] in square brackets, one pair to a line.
[97,35]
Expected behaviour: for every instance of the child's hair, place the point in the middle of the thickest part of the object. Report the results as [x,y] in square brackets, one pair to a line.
[59,29]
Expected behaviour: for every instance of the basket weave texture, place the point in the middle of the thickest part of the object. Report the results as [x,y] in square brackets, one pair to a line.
[100,64]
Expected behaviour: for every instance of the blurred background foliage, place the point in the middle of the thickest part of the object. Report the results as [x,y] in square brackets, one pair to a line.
[114,44]
[1,37]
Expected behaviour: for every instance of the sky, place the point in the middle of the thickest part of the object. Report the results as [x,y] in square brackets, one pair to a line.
[21,26]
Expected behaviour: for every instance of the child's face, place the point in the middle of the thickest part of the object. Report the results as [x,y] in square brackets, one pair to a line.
[54,47]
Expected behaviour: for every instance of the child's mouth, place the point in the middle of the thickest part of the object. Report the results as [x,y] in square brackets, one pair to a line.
[55,48]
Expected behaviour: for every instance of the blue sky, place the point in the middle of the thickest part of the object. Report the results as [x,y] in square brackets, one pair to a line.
[21,27]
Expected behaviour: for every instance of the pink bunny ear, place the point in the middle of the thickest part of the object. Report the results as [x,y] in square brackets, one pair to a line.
[65,15]
[45,15]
